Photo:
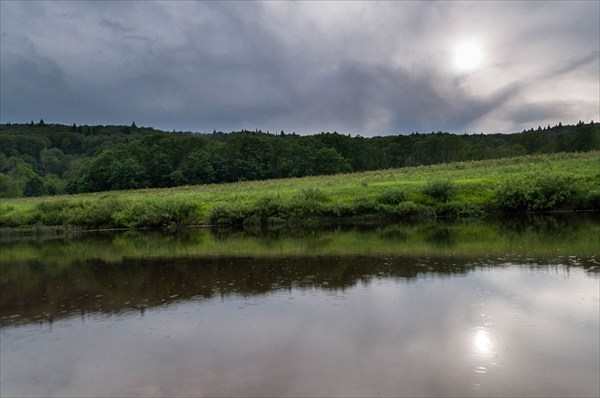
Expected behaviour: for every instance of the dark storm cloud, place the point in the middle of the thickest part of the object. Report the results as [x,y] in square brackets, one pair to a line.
[364,68]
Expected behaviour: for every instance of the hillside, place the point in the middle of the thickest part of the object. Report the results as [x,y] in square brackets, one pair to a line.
[39,159]
[531,183]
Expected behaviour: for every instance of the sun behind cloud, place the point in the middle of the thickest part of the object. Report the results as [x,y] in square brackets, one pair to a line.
[468,55]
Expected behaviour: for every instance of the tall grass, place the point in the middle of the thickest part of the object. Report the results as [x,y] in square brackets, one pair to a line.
[469,189]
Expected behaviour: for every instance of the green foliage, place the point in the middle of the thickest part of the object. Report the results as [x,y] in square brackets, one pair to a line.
[329,161]
[35,187]
[198,168]
[530,183]
[534,193]
[439,190]
[53,161]
[16,174]
[229,214]
[313,195]
[54,185]
[13,217]
[392,196]
[164,213]
[591,200]
[95,214]
[107,158]
[364,205]
[53,213]
[268,208]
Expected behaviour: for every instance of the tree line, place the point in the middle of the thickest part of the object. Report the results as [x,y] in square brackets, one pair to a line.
[48,159]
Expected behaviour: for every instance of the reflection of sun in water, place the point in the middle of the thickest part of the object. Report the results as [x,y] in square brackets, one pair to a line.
[482,342]
[468,55]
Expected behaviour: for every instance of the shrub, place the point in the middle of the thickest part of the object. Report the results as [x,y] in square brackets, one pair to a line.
[13,217]
[340,209]
[166,213]
[53,212]
[314,195]
[440,190]
[392,196]
[308,202]
[534,193]
[363,205]
[586,200]
[592,200]
[95,214]
[228,214]
[266,210]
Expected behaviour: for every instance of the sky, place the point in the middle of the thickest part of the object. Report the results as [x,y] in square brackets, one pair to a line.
[361,68]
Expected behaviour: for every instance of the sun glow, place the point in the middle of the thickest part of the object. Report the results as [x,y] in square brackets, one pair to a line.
[482,342]
[468,55]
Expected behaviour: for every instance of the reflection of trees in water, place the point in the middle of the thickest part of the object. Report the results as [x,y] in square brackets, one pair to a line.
[137,283]
[107,272]
[441,237]
[543,224]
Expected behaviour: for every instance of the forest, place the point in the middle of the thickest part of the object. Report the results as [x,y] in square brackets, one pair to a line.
[39,159]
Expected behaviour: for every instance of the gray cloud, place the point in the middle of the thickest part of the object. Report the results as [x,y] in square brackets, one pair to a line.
[359,67]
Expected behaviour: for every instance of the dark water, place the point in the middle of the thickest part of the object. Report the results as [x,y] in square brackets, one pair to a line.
[505,308]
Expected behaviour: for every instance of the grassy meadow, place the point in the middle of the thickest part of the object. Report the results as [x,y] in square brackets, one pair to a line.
[537,183]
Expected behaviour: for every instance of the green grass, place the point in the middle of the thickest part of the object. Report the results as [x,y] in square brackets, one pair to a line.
[466,189]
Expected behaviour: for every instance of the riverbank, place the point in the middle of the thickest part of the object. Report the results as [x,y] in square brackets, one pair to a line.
[465,189]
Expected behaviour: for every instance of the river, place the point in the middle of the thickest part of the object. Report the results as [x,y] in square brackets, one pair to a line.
[505,307]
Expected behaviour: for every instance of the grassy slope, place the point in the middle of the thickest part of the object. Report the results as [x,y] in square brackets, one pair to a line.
[563,181]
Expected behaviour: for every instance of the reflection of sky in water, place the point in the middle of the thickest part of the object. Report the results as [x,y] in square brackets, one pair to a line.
[482,342]
[511,331]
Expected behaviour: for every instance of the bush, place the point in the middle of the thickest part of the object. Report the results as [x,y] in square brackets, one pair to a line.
[585,200]
[534,193]
[53,212]
[391,196]
[266,210]
[95,214]
[592,200]
[363,205]
[308,202]
[166,213]
[314,195]
[228,215]
[440,190]
[12,217]
[340,209]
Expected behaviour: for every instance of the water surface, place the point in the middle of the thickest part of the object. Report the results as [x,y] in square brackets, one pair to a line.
[505,308]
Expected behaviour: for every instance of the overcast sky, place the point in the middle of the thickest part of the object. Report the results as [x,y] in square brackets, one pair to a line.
[369,68]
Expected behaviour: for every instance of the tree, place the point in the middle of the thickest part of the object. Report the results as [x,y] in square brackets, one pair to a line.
[585,138]
[198,169]
[53,161]
[329,161]
[53,184]
[125,173]
[9,188]
[35,187]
